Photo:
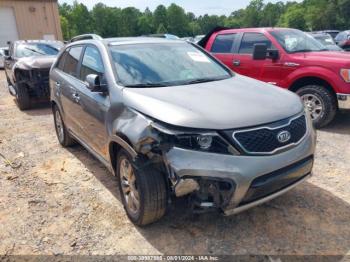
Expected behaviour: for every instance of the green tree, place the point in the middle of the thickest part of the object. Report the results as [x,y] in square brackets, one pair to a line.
[129,21]
[160,17]
[271,14]
[161,29]
[106,20]
[252,14]
[65,28]
[294,17]
[112,21]
[80,18]
[177,20]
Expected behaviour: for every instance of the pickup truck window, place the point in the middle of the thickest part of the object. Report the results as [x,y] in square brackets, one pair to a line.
[295,41]
[223,43]
[72,60]
[250,39]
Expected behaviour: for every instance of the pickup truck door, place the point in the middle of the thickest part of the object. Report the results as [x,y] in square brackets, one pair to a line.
[267,70]
[223,48]
[93,106]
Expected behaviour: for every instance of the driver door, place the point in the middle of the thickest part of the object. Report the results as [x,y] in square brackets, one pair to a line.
[267,70]
[93,106]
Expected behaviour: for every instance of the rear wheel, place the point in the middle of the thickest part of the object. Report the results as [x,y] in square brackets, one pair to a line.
[62,133]
[22,96]
[142,188]
[320,102]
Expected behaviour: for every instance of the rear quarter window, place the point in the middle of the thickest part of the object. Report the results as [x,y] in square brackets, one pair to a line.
[60,62]
[223,43]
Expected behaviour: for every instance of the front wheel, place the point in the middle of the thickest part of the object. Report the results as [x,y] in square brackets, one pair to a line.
[142,188]
[320,102]
[22,97]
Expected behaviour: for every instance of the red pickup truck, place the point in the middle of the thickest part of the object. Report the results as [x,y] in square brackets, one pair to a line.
[287,58]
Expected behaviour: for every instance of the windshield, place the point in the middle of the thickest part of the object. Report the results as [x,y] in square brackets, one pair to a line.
[38,49]
[164,64]
[294,41]
[325,39]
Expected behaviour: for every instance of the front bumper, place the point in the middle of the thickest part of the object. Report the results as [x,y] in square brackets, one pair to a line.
[343,101]
[244,169]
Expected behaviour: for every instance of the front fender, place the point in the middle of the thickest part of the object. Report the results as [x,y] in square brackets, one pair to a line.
[312,71]
[134,132]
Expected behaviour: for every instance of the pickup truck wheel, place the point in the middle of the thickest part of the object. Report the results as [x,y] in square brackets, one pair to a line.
[321,104]
[143,190]
[62,133]
[22,97]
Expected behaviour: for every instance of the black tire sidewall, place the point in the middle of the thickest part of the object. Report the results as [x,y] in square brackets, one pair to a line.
[328,101]
[22,97]
[67,139]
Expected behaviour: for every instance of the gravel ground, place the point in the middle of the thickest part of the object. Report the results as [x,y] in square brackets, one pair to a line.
[63,201]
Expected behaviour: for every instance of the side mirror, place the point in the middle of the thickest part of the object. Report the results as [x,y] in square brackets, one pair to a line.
[259,52]
[93,83]
[273,54]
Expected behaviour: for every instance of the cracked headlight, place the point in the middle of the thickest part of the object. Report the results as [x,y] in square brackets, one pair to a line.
[205,142]
[210,142]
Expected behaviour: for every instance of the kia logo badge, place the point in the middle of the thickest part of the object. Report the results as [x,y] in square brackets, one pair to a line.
[283,136]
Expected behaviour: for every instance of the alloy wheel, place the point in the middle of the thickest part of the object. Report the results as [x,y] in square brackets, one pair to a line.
[314,104]
[129,186]
[59,126]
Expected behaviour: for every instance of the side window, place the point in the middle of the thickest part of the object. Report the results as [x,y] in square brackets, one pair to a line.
[60,63]
[339,37]
[250,39]
[223,43]
[92,63]
[71,60]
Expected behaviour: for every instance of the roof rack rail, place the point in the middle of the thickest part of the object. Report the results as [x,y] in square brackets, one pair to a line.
[85,37]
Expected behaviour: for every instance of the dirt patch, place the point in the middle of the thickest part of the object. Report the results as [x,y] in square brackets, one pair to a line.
[61,201]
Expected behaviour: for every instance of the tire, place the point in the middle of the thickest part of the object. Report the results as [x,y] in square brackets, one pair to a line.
[62,133]
[150,186]
[7,79]
[22,97]
[325,99]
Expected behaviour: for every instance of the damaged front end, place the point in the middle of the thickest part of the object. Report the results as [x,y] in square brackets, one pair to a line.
[156,141]
[36,81]
[213,171]
[34,74]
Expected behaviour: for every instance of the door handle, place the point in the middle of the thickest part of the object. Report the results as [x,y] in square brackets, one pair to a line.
[76,97]
[236,63]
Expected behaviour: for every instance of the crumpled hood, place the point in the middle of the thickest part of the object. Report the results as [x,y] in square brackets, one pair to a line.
[227,104]
[36,62]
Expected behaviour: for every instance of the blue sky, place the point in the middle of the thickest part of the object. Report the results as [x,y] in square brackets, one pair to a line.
[218,7]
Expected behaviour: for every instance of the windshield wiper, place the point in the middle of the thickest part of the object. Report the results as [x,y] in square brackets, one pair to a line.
[35,51]
[147,85]
[204,80]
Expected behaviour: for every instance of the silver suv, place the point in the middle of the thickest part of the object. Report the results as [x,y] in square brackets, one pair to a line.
[169,120]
